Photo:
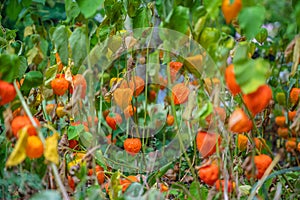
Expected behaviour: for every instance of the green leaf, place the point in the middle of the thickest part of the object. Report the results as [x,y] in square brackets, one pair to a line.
[194,191]
[60,38]
[178,19]
[78,46]
[74,131]
[89,7]
[9,67]
[164,7]
[23,67]
[47,194]
[86,139]
[241,52]
[13,9]
[142,18]
[251,74]
[32,79]
[72,9]
[132,7]
[134,190]
[251,19]
[205,110]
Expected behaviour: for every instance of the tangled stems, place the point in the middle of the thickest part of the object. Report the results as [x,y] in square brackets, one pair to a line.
[41,136]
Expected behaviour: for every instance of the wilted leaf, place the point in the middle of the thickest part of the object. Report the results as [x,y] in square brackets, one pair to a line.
[51,151]
[296,55]
[187,114]
[19,153]
[34,55]
[115,186]
[123,97]
[194,64]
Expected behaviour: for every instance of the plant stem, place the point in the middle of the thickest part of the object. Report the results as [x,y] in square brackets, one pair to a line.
[41,136]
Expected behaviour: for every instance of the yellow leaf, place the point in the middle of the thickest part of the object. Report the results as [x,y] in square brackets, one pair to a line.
[51,153]
[123,97]
[19,152]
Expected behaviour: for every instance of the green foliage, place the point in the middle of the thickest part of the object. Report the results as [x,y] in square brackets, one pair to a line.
[251,19]
[60,39]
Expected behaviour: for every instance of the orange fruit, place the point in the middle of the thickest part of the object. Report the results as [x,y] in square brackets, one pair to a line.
[73,144]
[163,188]
[291,144]
[127,182]
[294,95]
[7,92]
[20,122]
[239,122]
[180,93]
[170,120]
[280,121]
[231,11]
[262,162]
[71,182]
[220,184]
[209,174]
[257,101]
[152,95]
[113,119]
[218,111]
[298,147]
[283,132]
[137,85]
[129,111]
[258,143]
[206,143]
[132,145]
[100,174]
[291,115]
[79,81]
[231,83]
[50,108]
[242,142]
[174,68]
[59,85]
[34,147]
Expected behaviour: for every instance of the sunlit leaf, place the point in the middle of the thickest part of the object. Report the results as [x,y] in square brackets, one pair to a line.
[51,152]
[18,155]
